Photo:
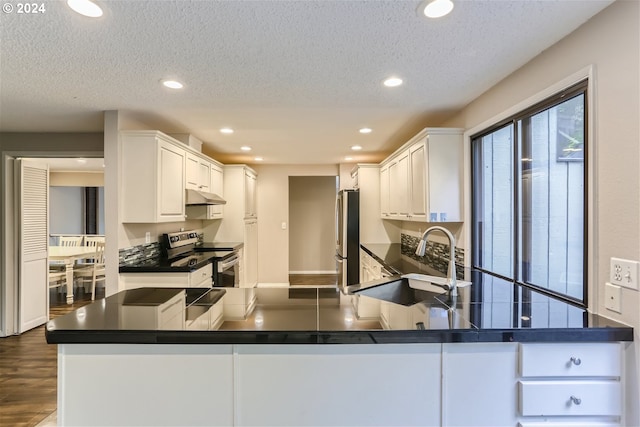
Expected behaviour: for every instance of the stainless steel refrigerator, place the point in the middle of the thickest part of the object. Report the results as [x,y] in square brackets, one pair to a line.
[348,237]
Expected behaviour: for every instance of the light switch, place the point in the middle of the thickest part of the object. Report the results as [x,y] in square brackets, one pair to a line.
[147,237]
[613,297]
[284,225]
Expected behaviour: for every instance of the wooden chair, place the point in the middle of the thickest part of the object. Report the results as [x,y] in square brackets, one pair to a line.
[94,271]
[70,240]
[91,240]
[57,279]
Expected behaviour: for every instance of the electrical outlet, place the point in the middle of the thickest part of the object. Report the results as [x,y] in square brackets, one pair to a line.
[147,237]
[613,297]
[624,272]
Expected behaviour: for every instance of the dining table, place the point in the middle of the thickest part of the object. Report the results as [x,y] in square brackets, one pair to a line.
[69,255]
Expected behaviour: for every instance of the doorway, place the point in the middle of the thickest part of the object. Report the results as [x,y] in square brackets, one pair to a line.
[312,230]
[59,174]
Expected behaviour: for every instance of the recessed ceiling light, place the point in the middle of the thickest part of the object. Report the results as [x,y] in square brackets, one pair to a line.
[258,159]
[365,130]
[226,130]
[437,8]
[85,7]
[172,84]
[245,148]
[393,82]
[356,147]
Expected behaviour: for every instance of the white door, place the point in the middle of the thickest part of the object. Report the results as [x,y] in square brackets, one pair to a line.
[32,190]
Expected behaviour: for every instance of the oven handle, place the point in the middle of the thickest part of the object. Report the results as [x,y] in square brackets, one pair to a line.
[230,263]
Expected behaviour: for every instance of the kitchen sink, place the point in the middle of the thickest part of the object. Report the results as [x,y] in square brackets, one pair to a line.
[432,283]
[400,292]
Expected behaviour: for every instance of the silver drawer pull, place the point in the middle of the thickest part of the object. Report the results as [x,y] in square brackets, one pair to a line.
[575,400]
[575,360]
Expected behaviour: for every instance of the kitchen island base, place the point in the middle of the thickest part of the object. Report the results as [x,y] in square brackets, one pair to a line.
[432,384]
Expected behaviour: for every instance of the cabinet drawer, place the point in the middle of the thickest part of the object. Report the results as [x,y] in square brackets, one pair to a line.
[570,360]
[554,398]
[201,277]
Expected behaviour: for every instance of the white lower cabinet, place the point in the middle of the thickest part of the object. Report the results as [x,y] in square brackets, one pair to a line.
[570,384]
[479,384]
[345,385]
[200,278]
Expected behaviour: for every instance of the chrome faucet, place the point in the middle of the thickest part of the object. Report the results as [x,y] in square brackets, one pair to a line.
[451,273]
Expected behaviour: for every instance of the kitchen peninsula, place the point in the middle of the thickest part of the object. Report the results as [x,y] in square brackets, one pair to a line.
[410,365]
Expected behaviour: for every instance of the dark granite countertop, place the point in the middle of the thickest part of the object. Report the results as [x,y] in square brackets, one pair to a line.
[382,311]
[218,246]
[180,265]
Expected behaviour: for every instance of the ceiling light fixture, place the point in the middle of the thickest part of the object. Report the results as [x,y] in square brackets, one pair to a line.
[172,84]
[356,147]
[365,130]
[245,148]
[228,131]
[437,8]
[393,82]
[85,7]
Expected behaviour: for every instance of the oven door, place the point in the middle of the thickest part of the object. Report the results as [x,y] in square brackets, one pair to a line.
[228,272]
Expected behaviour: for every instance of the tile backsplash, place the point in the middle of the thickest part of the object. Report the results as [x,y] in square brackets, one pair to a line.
[436,255]
[139,252]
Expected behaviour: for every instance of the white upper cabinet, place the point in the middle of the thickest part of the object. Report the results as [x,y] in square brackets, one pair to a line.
[153,177]
[198,173]
[250,179]
[422,181]
[214,178]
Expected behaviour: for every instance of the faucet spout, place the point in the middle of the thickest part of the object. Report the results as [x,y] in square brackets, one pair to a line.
[451,271]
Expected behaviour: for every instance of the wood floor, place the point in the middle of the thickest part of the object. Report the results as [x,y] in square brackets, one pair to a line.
[28,371]
[313,280]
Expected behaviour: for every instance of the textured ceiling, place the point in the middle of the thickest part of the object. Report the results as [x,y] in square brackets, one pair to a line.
[295,79]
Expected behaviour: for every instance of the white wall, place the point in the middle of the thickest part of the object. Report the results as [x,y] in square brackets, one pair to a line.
[312,224]
[273,210]
[610,42]
[65,210]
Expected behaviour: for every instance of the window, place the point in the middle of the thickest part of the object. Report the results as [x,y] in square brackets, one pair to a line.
[529,196]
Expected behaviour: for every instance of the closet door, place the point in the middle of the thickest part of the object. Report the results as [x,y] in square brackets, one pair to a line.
[32,189]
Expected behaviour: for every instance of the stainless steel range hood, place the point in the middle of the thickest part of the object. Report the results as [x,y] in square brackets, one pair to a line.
[202,198]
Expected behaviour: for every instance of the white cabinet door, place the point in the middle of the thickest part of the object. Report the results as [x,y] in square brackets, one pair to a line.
[345,385]
[417,174]
[192,173]
[171,191]
[250,195]
[198,173]
[250,257]
[445,166]
[480,384]
[399,186]
[384,191]
[217,187]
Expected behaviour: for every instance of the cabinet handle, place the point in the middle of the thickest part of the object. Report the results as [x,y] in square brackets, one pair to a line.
[575,400]
[575,360]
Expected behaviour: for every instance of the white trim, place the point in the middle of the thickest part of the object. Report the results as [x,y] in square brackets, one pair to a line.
[272,285]
[587,72]
[314,272]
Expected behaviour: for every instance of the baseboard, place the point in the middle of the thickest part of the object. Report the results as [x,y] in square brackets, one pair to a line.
[314,272]
[272,285]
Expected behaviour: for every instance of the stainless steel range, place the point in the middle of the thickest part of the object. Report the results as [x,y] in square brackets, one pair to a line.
[183,248]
